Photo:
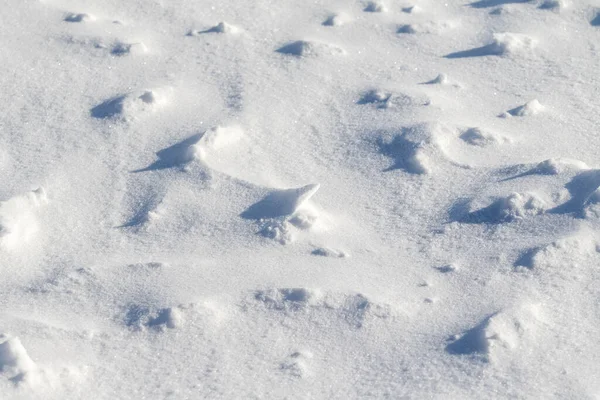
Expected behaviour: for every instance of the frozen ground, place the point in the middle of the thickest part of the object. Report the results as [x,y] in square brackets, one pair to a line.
[292,199]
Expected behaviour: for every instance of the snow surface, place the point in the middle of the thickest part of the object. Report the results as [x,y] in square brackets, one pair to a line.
[292,199]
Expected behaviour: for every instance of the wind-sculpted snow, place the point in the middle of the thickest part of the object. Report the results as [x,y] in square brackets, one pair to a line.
[372,199]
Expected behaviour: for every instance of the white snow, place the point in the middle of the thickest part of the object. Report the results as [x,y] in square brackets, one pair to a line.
[15,363]
[337,19]
[555,166]
[18,220]
[310,48]
[530,108]
[478,137]
[281,203]
[299,199]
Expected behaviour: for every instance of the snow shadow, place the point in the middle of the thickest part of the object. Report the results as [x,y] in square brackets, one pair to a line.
[495,3]
[403,152]
[177,155]
[488,50]
[108,108]
[581,188]
[473,341]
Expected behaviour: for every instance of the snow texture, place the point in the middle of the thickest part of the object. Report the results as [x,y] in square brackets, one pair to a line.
[367,199]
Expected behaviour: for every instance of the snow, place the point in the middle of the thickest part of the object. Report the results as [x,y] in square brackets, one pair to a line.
[287,199]
[15,363]
[18,223]
[310,48]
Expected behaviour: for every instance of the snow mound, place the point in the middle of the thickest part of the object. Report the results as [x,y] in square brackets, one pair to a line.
[513,43]
[15,363]
[532,107]
[552,166]
[441,79]
[283,213]
[279,231]
[179,154]
[412,10]
[499,335]
[281,203]
[304,218]
[199,147]
[125,49]
[383,99]
[308,48]
[329,252]
[556,166]
[482,138]
[585,196]
[375,6]
[583,189]
[355,308]
[297,364]
[377,97]
[515,206]
[133,105]
[203,147]
[554,5]
[408,28]
[412,148]
[291,299]
[221,27]
[18,220]
[224,27]
[82,17]
[336,20]
[591,206]
[563,256]
[140,317]
[503,44]
[434,27]
[218,138]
